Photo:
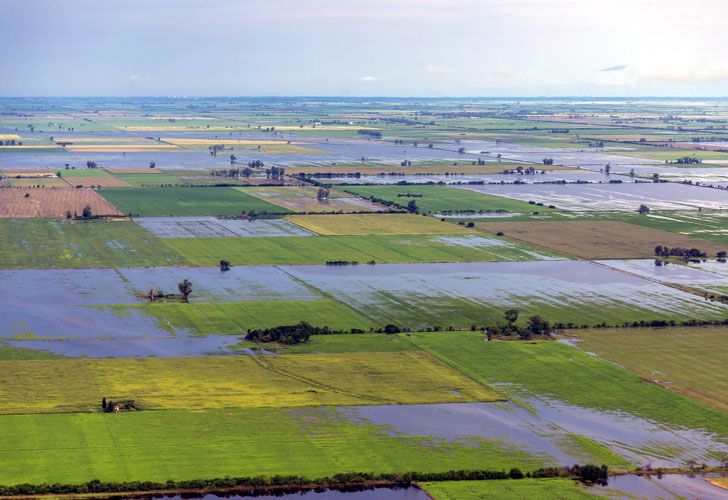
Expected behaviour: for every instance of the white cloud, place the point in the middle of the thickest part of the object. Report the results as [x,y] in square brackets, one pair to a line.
[437,69]
[135,77]
[369,79]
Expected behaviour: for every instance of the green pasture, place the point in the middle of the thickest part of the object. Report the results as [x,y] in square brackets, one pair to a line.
[508,489]
[434,199]
[40,243]
[291,250]
[186,201]
[184,444]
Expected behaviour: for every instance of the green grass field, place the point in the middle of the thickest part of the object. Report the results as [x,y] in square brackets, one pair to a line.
[358,342]
[281,381]
[290,250]
[521,489]
[441,198]
[184,444]
[40,243]
[558,371]
[235,318]
[687,360]
[150,180]
[186,201]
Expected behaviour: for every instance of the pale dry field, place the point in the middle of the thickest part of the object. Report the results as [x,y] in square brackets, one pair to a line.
[596,239]
[44,202]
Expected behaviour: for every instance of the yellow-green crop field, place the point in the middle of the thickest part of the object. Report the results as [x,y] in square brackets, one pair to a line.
[372,224]
[288,380]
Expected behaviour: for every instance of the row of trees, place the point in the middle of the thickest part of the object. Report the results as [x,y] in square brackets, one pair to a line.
[586,473]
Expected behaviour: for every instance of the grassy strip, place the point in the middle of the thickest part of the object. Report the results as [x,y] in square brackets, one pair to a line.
[563,489]
[236,318]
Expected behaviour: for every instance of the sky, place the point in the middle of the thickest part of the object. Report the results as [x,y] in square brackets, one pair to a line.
[364,48]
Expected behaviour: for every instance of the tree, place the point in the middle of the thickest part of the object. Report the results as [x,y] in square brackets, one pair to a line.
[538,326]
[323,195]
[103,404]
[152,164]
[86,213]
[185,288]
[607,169]
[511,316]
[643,210]
[412,206]
[224,265]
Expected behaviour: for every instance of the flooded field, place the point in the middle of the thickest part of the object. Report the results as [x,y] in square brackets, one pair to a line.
[75,306]
[671,486]
[616,197]
[211,227]
[545,428]
[433,290]
[132,347]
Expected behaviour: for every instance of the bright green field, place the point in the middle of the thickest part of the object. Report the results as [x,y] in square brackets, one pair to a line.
[358,342]
[689,360]
[182,444]
[291,250]
[558,371]
[521,489]
[84,172]
[439,198]
[186,201]
[235,318]
[47,243]
[149,180]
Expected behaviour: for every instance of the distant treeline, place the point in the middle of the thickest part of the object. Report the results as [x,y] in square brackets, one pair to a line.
[587,473]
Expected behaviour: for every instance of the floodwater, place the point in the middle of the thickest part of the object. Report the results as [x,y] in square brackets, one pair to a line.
[671,486]
[133,347]
[383,493]
[674,273]
[73,306]
[212,227]
[620,197]
[554,283]
[543,428]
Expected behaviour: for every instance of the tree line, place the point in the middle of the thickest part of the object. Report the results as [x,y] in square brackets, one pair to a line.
[586,473]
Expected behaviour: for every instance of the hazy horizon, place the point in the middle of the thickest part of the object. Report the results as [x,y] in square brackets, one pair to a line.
[409,48]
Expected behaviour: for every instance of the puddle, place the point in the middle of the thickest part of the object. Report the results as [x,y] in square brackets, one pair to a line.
[672,486]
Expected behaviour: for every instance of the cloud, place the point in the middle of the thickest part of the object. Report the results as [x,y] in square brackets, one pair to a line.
[620,67]
[369,79]
[437,69]
[135,77]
